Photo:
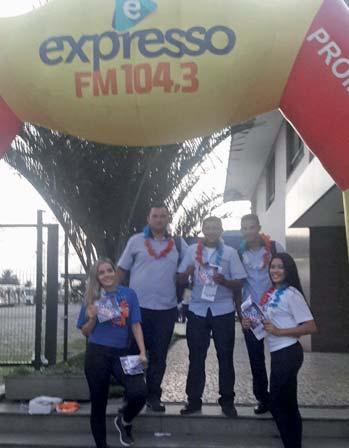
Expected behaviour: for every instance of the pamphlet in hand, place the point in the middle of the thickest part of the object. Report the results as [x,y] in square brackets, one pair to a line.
[251,310]
[206,274]
[107,309]
[131,365]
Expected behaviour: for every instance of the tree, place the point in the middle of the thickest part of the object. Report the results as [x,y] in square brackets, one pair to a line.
[190,222]
[99,193]
[8,278]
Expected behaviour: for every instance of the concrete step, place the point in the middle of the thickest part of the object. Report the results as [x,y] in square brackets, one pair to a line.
[76,440]
[17,427]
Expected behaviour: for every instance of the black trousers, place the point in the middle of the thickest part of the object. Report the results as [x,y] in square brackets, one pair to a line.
[157,328]
[199,330]
[100,363]
[285,364]
[255,349]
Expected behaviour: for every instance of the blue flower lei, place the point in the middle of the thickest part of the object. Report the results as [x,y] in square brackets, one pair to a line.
[219,253]
[147,232]
[274,303]
[243,246]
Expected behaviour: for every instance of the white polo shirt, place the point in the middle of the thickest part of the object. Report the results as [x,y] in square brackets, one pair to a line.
[291,311]
[154,280]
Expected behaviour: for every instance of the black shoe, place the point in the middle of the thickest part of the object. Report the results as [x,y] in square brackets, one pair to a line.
[155,405]
[190,408]
[261,408]
[128,429]
[230,411]
[126,438]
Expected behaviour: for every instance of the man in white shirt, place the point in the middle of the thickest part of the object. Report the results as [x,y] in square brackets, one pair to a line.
[217,275]
[255,253]
[151,258]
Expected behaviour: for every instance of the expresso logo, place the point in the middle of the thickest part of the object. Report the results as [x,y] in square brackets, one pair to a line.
[130,12]
[92,49]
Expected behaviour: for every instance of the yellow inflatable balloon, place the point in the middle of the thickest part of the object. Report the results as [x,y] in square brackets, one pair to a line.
[148,72]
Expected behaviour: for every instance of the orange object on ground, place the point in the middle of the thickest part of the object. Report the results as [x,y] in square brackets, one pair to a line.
[67,407]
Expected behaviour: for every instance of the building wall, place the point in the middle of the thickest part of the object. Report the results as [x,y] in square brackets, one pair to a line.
[273,218]
[320,252]
[329,270]
[298,245]
[306,186]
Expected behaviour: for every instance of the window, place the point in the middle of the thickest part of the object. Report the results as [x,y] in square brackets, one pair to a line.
[294,149]
[270,182]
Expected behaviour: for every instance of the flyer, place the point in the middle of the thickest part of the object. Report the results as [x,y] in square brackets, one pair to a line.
[131,365]
[251,311]
[107,309]
[206,274]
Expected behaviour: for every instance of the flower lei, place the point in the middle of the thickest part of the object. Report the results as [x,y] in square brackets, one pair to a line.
[266,242]
[151,251]
[267,296]
[199,253]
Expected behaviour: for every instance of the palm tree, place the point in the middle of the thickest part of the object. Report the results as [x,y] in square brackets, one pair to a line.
[100,194]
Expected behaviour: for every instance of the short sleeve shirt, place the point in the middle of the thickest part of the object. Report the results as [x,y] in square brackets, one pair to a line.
[114,333]
[291,311]
[258,280]
[231,268]
[154,280]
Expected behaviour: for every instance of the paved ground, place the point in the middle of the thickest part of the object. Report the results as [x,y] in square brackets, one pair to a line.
[323,379]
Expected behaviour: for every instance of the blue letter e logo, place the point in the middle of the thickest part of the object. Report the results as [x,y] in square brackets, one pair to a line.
[130,12]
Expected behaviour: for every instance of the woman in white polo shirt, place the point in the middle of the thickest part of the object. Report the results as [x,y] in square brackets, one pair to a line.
[287,318]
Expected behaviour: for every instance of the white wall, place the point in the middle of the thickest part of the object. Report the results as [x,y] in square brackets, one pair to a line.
[273,219]
[306,189]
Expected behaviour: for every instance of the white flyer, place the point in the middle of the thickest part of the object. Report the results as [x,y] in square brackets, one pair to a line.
[252,311]
[206,274]
[131,365]
[107,309]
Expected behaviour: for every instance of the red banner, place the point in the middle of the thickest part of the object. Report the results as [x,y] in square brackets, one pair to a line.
[316,98]
[9,127]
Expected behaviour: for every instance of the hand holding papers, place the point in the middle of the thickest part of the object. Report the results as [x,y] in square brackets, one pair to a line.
[132,365]
[251,311]
[206,275]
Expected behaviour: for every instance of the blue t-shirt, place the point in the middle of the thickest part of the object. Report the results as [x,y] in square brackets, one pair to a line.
[115,332]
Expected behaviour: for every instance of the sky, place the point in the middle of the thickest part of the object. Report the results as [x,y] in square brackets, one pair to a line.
[19,201]
[15,7]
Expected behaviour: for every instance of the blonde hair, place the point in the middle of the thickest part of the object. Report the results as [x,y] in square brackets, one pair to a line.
[93,286]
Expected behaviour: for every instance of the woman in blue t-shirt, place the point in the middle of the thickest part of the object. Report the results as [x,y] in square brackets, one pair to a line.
[106,318]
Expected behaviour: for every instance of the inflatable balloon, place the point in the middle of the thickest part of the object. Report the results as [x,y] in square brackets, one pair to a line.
[147,72]
[9,126]
[346,214]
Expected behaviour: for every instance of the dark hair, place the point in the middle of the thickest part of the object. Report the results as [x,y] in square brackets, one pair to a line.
[212,219]
[291,271]
[158,205]
[251,217]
